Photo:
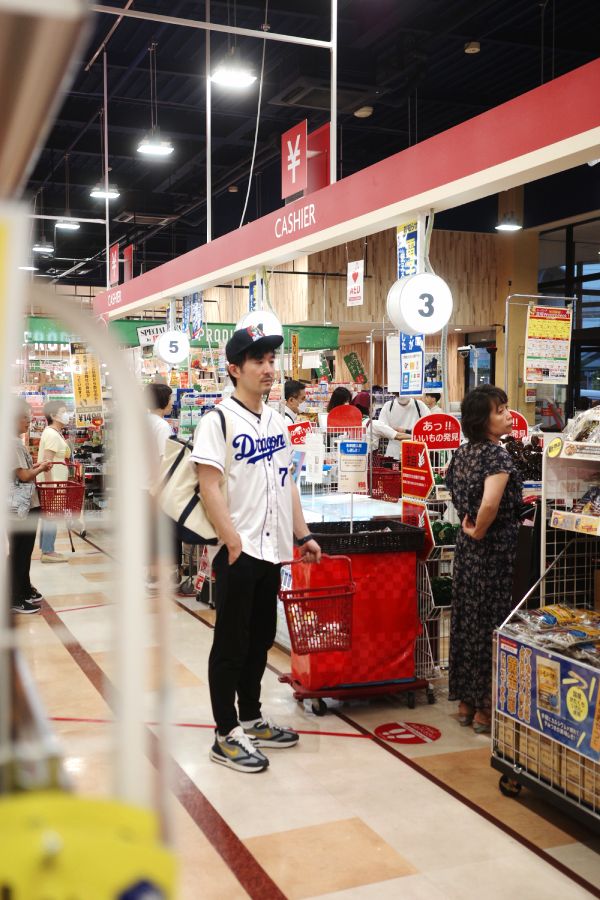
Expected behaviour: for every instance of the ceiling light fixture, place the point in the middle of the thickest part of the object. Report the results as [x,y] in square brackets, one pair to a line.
[233,189]
[67,224]
[363,112]
[42,246]
[102,190]
[152,144]
[232,73]
[509,223]
[98,192]
[472,47]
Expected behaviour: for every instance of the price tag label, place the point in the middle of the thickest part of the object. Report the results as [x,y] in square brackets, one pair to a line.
[172,347]
[420,304]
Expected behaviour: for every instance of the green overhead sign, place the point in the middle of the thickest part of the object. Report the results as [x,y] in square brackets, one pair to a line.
[41,330]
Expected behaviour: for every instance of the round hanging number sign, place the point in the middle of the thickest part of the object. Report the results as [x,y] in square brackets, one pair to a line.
[172,347]
[420,304]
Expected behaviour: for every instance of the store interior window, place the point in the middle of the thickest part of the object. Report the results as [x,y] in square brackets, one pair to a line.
[480,365]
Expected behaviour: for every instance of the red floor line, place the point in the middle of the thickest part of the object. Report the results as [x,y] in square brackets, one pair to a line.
[64,609]
[248,871]
[86,721]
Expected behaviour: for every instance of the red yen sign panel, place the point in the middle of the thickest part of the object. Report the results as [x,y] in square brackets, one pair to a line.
[417,475]
[294,169]
[114,265]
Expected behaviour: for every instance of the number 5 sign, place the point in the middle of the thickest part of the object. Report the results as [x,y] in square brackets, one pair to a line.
[419,304]
[172,347]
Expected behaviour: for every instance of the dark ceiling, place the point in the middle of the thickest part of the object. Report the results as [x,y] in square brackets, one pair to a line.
[403,57]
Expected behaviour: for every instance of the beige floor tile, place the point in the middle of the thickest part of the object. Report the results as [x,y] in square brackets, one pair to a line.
[80,598]
[412,887]
[94,577]
[309,862]
[180,674]
[469,773]
[582,858]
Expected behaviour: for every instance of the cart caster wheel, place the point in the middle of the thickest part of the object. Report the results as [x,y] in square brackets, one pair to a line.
[411,700]
[431,697]
[509,787]
[319,707]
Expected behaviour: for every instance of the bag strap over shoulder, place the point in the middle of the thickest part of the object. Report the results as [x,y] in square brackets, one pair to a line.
[228,435]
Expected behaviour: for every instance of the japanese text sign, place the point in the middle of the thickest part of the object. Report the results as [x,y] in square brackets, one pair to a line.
[355,283]
[556,696]
[87,386]
[411,364]
[352,467]
[548,345]
[417,475]
[415,513]
[298,432]
[113,265]
[520,427]
[355,367]
[439,431]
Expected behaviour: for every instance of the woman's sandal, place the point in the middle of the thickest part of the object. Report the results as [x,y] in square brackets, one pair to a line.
[482,722]
[466,713]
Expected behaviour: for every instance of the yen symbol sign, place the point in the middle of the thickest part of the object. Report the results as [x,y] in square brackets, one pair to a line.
[293,157]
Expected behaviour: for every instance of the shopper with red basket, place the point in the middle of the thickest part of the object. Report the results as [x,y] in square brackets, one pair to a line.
[53,448]
[24,508]
[246,443]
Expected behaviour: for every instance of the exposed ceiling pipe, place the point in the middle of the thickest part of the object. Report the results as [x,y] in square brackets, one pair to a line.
[107,38]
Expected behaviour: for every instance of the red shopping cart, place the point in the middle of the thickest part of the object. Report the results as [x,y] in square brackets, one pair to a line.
[386,484]
[318,606]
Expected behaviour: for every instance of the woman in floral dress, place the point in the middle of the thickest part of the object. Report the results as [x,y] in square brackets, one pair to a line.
[487,494]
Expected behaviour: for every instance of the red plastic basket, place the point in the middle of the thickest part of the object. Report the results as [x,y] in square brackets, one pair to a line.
[387,484]
[318,606]
[62,499]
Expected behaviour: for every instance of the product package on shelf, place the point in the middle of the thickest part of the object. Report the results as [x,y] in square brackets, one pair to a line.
[192,407]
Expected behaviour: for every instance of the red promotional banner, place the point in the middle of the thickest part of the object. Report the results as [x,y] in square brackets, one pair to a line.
[114,265]
[417,475]
[298,432]
[439,431]
[293,161]
[128,263]
[415,513]
[520,425]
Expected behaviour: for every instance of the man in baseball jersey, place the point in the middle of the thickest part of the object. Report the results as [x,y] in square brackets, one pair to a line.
[256,526]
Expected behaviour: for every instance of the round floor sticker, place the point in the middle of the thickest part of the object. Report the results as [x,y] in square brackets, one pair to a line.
[408,733]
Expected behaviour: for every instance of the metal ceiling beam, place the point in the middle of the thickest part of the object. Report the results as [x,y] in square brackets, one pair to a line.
[210,26]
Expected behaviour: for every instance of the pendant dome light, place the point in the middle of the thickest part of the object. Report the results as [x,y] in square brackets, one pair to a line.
[99,191]
[232,72]
[67,224]
[152,144]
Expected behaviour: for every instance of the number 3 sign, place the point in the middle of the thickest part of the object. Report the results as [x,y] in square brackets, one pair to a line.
[172,347]
[419,304]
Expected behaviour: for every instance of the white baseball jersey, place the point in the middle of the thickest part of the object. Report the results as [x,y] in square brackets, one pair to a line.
[259,487]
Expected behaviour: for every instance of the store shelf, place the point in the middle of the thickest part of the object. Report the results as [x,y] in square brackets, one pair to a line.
[571,521]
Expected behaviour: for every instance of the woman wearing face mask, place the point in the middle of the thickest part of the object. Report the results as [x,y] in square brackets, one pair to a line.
[401,414]
[53,448]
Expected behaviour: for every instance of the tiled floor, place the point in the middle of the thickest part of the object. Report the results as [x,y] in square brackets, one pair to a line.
[338,816]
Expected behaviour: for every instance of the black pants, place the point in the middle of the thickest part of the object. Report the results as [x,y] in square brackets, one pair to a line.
[246,601]
[20,548]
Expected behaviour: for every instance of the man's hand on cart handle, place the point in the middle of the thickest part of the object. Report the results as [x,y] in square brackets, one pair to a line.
[310,551]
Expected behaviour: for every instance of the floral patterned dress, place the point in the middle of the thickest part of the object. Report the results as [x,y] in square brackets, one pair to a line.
[483,570]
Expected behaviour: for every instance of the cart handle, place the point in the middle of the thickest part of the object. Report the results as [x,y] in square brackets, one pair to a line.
[289,562]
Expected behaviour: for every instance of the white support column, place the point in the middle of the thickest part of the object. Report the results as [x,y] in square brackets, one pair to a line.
[333,126]
[208,133]
[106,200]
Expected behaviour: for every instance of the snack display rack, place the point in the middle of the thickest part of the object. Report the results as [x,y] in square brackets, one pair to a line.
[549,740]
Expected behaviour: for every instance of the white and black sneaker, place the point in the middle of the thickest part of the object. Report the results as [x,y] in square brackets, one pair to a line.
[265,733]
[34,595]
[238,751]
[25,607]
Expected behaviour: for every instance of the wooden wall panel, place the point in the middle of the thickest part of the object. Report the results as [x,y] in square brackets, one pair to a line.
[288,293]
